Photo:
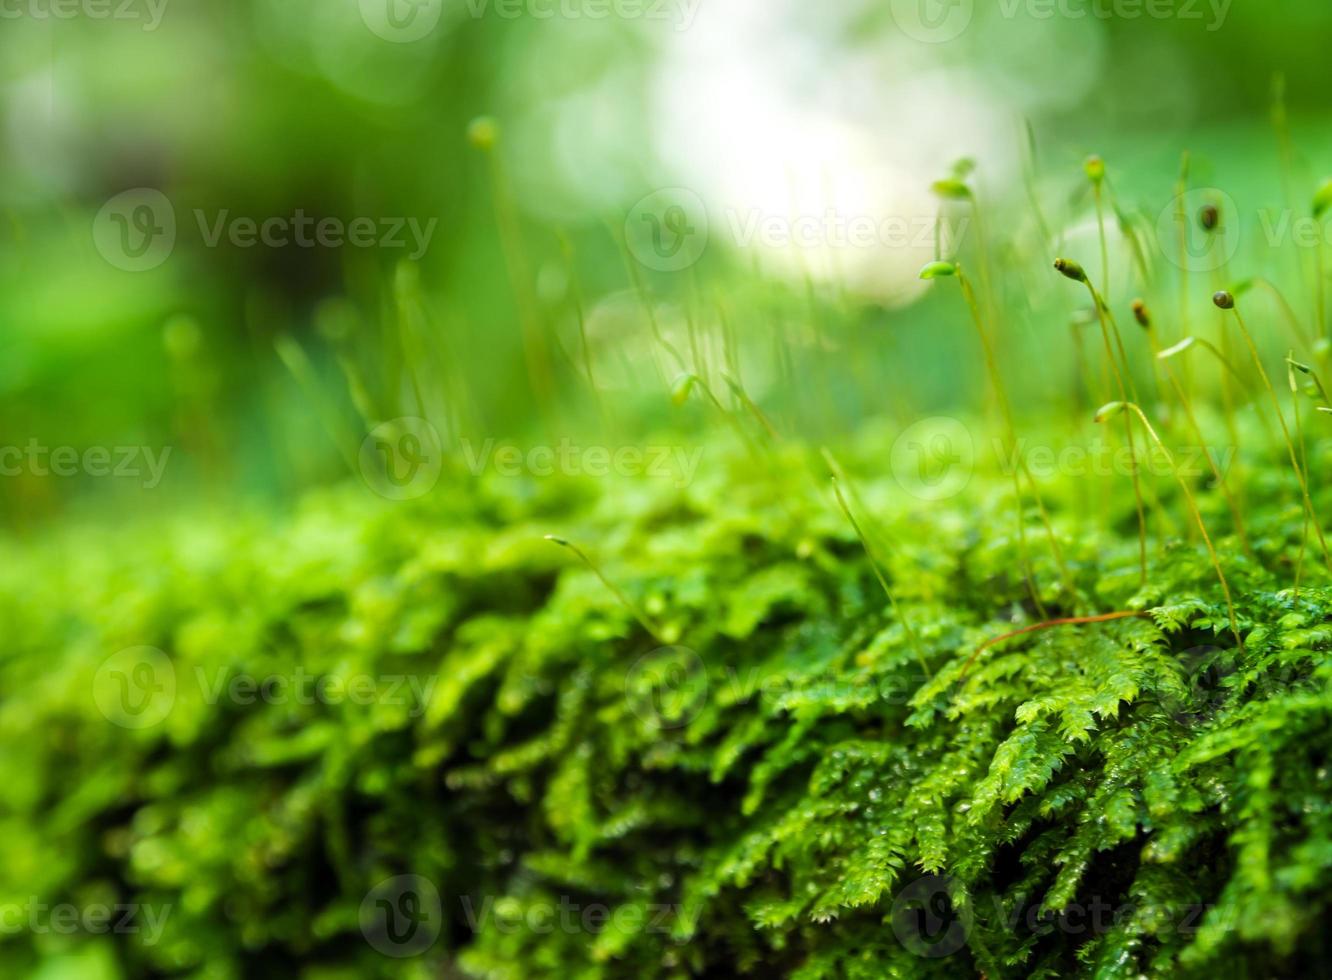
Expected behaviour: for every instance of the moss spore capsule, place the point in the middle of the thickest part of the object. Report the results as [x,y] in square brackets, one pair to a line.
[936,270]
[1141,314]
[1070,269]
[1095,168]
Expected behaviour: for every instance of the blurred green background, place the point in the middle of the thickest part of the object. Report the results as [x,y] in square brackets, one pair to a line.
[760,110]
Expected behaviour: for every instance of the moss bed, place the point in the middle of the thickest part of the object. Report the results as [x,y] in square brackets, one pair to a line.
[776,783]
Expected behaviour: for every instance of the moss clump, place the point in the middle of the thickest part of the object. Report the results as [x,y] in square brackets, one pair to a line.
[372,691]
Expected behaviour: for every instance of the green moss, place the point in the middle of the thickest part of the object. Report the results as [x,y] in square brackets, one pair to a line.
[784,792]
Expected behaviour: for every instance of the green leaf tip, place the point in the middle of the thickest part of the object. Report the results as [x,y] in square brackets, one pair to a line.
[683,388]
[1178,348]
[1322,198]
[1109,410]
[1070,269]
[934,270]
[952,189]
[483,132]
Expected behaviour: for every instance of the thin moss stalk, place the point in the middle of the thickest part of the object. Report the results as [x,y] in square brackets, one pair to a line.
[912,638]
[484,134]
[1225,301]
[647,624]
[944,269]
[1143,317]
[1071,270]
[1115,408]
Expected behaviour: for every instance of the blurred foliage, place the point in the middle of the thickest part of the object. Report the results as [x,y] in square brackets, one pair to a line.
[261,108]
